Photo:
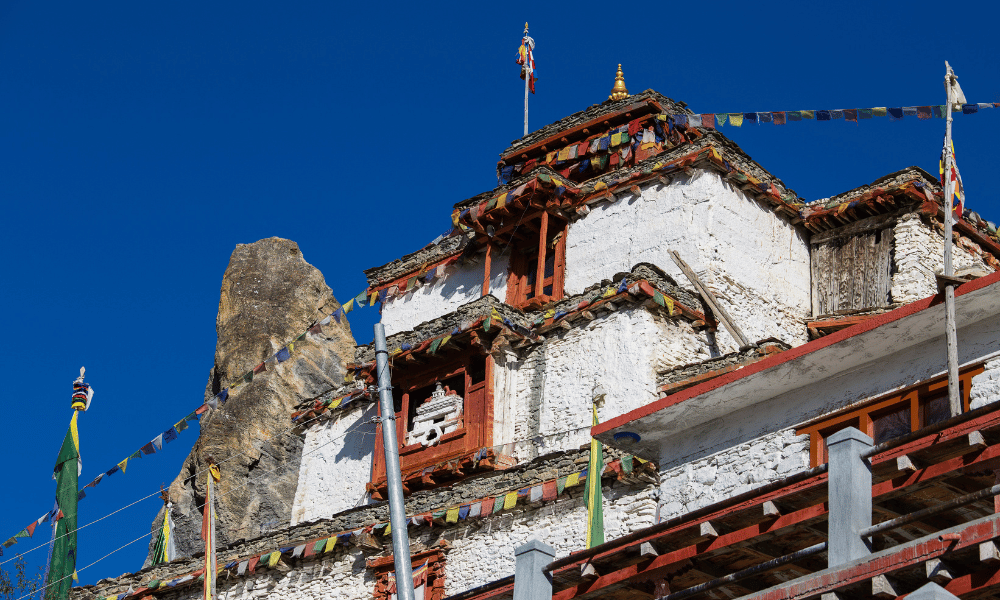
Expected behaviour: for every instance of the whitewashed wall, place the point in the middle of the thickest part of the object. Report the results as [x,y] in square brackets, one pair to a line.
[460,285]
[484,551]
[919,252]
[549,391]
[756,262]
[986,385]
[336,464]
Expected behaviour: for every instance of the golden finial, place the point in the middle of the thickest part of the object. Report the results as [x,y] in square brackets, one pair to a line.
[619,92]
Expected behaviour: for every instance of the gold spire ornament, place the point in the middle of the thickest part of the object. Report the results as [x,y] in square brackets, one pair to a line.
[619,91]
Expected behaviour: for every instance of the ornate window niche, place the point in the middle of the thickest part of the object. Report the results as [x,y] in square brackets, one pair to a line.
[428,575]
[893,415]
[444,412]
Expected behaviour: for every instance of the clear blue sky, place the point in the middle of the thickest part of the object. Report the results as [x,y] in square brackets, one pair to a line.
[140,143]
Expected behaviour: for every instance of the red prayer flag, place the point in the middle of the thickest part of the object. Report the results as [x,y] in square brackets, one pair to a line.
[486,507]
[253,563]
[31,528]
[549,491]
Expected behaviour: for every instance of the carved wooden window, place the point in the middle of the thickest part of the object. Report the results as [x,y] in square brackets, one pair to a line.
[538,262]
[428,575]
[892,416]
[851,273]
[435,425]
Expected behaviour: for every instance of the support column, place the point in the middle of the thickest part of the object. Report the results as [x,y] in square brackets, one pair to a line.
[530,581]
[850,496]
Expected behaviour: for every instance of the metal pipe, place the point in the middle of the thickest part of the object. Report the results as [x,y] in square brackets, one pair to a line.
[649,532]
[748,572]
[933,510]
[397,511]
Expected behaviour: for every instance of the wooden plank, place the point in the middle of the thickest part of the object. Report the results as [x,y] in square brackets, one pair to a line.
[710,299]
[863,226]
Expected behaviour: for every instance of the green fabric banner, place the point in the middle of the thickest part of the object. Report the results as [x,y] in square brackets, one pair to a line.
[595,499]
[62,568]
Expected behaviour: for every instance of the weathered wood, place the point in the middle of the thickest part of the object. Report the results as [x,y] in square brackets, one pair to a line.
[852,229]
[883,587]
[770,510]
[989,553]
[977,441]
[905,464]
[706,531]
[646,550]
[710,299]
[937,571]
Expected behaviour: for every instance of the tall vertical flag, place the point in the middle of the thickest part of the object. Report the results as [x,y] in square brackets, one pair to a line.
[62,565]
[208,530]
[595,500]
[526,58]
[165,550]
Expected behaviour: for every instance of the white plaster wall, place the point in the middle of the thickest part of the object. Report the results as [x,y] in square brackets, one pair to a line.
[336,464]
[986,385]
[484,550]
[553,384]
[756,262]
[459,285]
[919,252]
[705,481]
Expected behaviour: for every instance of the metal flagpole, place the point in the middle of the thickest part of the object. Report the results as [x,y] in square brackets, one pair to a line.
[954,399]
[527,77]
[397,512]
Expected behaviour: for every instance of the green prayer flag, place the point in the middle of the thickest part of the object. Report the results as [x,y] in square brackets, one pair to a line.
[22,534]
[360,299]
[595,499]
[318,546]
[498,504]
[879,111]
[435,345]
[62,567]
[658,298]
[627,463]
[808,114]
[136,454]
[560,485]
[248,377]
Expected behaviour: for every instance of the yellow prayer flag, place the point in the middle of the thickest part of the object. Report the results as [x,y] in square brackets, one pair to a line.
[372,299]
[550,156]
[564,154]
[616,138]
[123,464]
[444,341]
[452,515]
[330,543]
[274,559]
[600,185]
[349,306]
[336,402]
[670,304]
[550,313]
[573,480]
[454,218]
[609,292]
[502,200]
[509,500]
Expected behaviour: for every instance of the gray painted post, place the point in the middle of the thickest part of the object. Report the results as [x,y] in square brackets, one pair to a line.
[932,591]
[850,494]
[530,581]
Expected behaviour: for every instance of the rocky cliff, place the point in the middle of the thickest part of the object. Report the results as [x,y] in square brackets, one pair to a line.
[270,295]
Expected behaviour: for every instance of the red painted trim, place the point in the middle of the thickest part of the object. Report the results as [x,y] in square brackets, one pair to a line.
[793,354]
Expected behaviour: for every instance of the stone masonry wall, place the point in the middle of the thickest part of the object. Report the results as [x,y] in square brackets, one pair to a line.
[702,482]
[553,382]
[919,252]
[986,385]
[482,551]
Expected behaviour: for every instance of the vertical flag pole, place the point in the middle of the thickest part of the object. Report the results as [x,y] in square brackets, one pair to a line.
[527,79]
[954,401]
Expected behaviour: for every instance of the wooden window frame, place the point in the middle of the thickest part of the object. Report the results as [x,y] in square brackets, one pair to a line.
[519,284]
[434,586]
[475,432]
[863,417]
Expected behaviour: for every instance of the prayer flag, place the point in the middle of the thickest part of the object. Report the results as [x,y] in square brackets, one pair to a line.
[62,566]
[208,532]
[510,500]
[595,500]
[164,551]
[452,515]
[736,119]
[526,58]
[573,480]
